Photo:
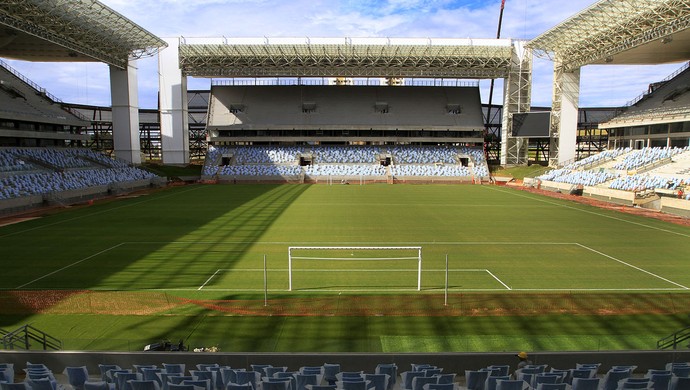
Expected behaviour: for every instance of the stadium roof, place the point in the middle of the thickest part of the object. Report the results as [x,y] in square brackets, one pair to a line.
[70,31]
[346,57]
[620,32]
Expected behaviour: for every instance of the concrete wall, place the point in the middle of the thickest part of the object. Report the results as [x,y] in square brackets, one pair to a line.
[609,195]
[14,205]
[675,206]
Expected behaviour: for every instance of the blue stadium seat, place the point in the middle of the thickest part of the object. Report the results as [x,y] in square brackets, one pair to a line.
[144,385]
[511,384]
[475,379]
[76,376]
[98,385]
[585,384]
[389,369]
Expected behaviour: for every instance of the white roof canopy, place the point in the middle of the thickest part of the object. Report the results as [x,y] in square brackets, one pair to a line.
[620,32]
[345,57]
[78,30]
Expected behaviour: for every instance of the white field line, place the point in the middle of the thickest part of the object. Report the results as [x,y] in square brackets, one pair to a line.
[96,213]
[591,212]
[599,289]
[680,286]
[209,279]
[426,289]
[633,266]
[345,243]
[70,265]
[499,280]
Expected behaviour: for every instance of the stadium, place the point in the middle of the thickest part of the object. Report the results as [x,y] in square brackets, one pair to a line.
[344,213]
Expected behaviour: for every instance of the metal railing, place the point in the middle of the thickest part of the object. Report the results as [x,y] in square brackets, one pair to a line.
[43,91]
[651,165]
[23,337]
[673,340]
[668,78]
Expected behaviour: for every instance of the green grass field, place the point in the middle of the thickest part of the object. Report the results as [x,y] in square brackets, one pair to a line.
[524,272]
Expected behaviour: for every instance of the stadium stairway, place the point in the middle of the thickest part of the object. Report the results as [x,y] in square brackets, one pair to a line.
[674,340]
[24,337]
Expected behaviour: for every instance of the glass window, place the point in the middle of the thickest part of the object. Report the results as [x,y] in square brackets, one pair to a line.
[658,143]
[658,129]
[641,130]
[680,127]
[680,142]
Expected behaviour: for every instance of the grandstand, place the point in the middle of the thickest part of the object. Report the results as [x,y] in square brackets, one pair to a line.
[343,163]
[33,177]
[33,117]
[185,262]
[346,114]
[42,158]
[657,118]
[652,177]
[646,163]
[493,372]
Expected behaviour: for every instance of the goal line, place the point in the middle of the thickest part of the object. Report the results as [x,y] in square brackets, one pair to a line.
[293,249]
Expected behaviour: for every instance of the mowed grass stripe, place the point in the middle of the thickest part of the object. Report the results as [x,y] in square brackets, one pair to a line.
[545,271]
[176,239]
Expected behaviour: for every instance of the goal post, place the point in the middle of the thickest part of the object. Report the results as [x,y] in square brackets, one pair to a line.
[414,249]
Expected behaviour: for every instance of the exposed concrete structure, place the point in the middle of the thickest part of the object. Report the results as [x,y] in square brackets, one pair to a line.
[77,31]
[340,58]
[608,32]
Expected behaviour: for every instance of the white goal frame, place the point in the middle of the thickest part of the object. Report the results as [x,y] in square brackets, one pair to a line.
[417,248]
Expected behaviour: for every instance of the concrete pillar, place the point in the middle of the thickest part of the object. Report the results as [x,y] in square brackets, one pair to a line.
[173,105]
[564,115]
[125,103]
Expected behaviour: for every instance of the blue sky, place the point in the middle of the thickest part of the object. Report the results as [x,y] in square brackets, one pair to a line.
[88,83]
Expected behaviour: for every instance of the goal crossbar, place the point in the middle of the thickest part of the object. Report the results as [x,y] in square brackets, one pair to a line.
[412,248]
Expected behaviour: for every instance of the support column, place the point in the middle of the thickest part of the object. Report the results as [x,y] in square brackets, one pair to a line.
[564,115]
[173,105]
[125,103]
[517,97]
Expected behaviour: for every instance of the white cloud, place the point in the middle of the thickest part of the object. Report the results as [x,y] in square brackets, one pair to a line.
[523,19]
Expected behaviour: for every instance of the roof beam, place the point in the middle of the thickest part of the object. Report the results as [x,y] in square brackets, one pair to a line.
[346,60]
[87,28]
[610,27]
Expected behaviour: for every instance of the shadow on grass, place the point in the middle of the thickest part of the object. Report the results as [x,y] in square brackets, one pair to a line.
[133,244]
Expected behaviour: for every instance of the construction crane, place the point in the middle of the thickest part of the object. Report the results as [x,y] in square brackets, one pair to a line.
[491,88]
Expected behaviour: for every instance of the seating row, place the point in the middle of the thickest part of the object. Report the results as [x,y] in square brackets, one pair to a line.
[19,159]
[576,177]
[47,182]
[329,376]
[645,156]
[643,182]
[331,155]
[592,160]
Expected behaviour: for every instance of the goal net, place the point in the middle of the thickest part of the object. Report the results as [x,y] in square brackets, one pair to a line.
[321,267]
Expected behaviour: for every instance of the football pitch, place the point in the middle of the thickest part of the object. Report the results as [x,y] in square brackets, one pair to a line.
[391,268]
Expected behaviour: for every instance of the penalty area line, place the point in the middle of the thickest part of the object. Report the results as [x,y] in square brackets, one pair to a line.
[497,279]
[633,266]
[209,279]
